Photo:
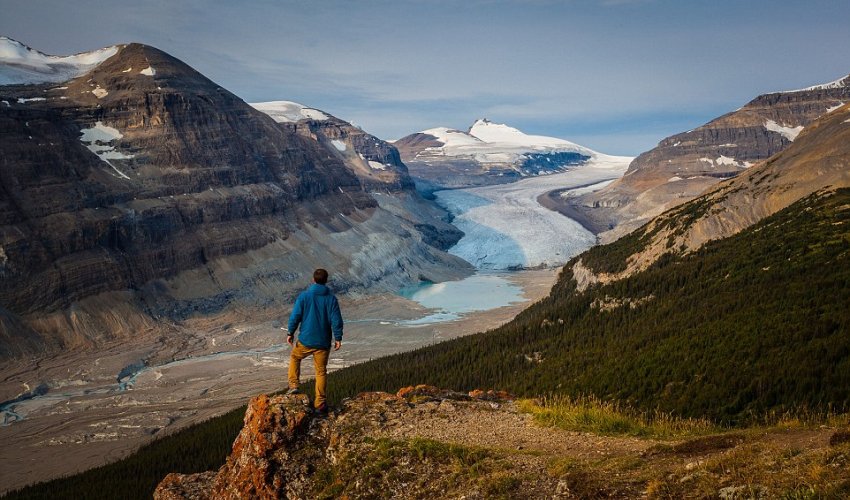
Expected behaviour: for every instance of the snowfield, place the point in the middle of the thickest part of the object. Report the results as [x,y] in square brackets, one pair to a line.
[20,64]
[98,138]
[506,228]
[789,133]
[488,142]
[288,111]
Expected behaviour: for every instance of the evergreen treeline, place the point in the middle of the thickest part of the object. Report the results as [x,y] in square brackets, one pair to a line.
[753,324]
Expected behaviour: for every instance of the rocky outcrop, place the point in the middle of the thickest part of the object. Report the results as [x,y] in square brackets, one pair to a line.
[144,186]
[286,451]
[684,165]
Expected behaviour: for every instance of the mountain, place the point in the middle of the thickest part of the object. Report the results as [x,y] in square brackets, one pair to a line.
[817,162]
[488,153]
[745,327]
[376,163]
[139,193]
[684,165]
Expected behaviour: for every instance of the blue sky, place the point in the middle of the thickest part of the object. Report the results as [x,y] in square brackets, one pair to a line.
[614,75]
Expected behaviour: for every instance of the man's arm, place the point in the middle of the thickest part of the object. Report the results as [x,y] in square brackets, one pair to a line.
[294,319]
[336,324]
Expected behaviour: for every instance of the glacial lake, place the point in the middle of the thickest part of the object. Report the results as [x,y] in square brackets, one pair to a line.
[452,299]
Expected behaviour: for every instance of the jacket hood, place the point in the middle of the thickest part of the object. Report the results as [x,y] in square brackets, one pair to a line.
[318,289]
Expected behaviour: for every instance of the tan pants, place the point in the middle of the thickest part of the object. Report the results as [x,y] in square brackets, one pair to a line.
[320,361]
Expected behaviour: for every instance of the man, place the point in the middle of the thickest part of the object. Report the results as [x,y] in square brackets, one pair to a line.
[317,313]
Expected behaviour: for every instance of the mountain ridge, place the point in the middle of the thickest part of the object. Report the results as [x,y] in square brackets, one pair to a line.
[685,165]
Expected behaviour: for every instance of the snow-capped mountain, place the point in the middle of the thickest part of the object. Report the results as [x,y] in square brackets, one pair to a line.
[20,64]
[487,153]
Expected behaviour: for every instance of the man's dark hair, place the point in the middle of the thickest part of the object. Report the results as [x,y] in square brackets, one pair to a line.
[320,276]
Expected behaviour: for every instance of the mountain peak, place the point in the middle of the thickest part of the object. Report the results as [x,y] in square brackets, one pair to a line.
[22,65]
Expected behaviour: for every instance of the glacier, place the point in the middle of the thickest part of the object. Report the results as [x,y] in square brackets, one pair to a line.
[506,228]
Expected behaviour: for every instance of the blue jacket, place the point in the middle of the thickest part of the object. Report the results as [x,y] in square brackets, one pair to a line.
[317,312]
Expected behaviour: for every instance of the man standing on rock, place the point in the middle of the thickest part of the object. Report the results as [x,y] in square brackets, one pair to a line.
[317,313]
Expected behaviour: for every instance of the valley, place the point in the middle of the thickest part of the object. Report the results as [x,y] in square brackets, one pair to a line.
[102,405]
[88,413]
[204,278]
[676,319]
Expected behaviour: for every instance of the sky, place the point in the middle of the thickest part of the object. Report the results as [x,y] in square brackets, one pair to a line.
[614,75]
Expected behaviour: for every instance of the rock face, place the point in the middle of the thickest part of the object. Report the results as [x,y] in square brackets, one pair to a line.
[376,164]
[684,165]
[285,451]
[141,190]
[488,153]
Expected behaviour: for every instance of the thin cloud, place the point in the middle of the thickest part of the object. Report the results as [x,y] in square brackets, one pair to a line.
[577,67]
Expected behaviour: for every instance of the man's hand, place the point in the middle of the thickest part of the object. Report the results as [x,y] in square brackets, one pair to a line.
[337,344]
[289,339]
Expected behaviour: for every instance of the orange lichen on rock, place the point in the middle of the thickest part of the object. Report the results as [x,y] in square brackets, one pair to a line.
[491,395]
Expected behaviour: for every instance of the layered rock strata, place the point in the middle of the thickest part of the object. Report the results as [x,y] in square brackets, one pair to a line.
[684,165]
[817,162]
[143,176]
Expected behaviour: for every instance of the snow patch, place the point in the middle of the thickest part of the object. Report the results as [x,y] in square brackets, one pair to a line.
[789,133]
[97,140]
[127,70]
[833,108]
[24,100]
[288,111]
[100,133]
[674,178]
[20,64]
[149,71]
[725,160]
[339,145]
[99,92]
[377,165]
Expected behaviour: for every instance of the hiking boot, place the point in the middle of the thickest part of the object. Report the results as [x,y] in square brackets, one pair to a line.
[294,390]
[322,410]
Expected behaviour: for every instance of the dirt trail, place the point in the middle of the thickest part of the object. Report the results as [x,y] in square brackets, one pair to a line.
[502,426]
[553,462]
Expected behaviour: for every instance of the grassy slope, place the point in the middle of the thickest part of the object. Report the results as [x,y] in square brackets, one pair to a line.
[755,324]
